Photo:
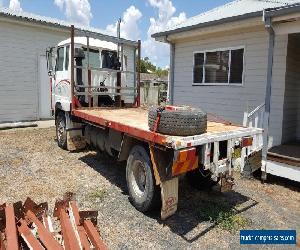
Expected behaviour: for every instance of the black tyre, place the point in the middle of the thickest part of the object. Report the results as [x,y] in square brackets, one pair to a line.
[61,132]
[201,179]
[189,121]
[143,193]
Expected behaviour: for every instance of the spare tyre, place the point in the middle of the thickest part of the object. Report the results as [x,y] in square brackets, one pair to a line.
[181,121]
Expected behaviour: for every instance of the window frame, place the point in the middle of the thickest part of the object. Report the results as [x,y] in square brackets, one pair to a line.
[57,59]
[92,49]
[67,57]
[229,62]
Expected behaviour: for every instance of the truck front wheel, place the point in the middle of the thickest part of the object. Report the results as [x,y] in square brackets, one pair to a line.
[61,132]
[143,193]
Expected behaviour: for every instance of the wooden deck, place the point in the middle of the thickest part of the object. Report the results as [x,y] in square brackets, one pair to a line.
[134,121]
[288,153]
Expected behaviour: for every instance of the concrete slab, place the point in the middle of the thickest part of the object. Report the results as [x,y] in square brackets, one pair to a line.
[46,124]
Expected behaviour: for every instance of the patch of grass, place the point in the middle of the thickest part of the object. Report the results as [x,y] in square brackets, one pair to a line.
[224,217]
[231,222]
[98,194]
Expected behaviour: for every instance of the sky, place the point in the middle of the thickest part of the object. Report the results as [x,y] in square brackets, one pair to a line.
[140,18]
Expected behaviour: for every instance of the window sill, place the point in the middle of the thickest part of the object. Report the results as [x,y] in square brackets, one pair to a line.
[219,84]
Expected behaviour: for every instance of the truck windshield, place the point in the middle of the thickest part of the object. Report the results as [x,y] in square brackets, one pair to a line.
[94,58]
[109,59]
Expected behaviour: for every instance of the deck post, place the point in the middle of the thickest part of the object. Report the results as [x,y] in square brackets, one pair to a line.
[72,68]
[89,73]
[268,26]
[119,84]
[118,97]
[135,75]
[171,74]
[138,98]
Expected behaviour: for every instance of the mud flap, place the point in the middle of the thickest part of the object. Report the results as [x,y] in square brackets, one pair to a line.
[169,197]
[75,138]
[226,184]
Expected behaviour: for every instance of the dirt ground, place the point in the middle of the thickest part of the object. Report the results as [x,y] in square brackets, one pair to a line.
[32,165]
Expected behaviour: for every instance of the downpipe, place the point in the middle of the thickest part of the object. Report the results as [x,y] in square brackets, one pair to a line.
[171,71]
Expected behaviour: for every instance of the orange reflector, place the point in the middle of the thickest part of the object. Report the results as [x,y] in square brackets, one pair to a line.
[184,161]
[247,141]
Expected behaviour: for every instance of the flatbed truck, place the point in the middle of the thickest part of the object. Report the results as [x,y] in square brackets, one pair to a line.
[95,100]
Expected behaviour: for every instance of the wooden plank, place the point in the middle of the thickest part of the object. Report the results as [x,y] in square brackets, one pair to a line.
[28,237]
[75,220]
[70,240]
[289,150]
[11,229]
[283,159]
[94,236]
[46,237]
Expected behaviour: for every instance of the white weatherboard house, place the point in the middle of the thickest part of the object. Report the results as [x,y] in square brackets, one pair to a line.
[241,61]
[24,83]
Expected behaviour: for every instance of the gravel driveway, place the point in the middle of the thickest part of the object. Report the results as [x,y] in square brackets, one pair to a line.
[32,165]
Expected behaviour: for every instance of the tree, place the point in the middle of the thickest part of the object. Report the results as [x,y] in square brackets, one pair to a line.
[161,72]
[148,67]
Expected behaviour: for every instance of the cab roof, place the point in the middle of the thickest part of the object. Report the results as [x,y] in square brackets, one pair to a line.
[93,43]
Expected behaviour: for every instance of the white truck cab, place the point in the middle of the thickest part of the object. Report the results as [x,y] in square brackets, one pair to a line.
[99,55]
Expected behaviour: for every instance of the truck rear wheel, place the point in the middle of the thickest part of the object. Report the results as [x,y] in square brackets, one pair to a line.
[143,193]
[61,131]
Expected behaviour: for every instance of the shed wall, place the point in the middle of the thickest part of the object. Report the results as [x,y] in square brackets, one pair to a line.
[20,49]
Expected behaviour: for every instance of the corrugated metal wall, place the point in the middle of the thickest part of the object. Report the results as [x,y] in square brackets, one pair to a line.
[20,48]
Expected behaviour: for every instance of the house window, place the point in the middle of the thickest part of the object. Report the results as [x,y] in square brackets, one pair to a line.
[219,67]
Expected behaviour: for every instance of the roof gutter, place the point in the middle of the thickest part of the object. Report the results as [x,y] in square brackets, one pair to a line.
[284,10]
[207,24]
[268,25]
[66,28]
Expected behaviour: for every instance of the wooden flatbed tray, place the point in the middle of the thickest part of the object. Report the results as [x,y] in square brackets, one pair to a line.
[134,122]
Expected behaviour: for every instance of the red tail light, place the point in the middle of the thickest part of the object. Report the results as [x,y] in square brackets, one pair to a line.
[247,141]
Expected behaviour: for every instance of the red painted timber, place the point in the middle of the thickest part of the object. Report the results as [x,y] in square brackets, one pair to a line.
[11,229]
[27,235]
[82,234]
[70,240]
[2,246]
[93,235]
[45,236]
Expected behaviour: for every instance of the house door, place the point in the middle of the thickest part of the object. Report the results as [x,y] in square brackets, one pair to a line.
[44,90]
[291,105]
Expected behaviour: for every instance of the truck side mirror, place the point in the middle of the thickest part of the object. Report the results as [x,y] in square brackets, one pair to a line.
[50,73]
[49,57]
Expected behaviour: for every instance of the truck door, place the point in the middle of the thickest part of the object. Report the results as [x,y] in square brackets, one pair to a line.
[62,88]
